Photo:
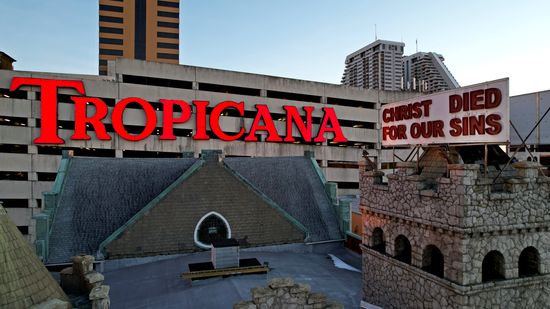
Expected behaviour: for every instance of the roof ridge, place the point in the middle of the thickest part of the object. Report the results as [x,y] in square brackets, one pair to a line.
[268,200]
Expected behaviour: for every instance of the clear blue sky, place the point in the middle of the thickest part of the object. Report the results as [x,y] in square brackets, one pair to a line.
[305,39]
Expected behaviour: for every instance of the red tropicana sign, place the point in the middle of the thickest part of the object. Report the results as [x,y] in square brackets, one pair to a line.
[262,120]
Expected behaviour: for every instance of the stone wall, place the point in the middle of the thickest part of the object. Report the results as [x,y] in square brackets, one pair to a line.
[82,279]
[169,226]
[393,284]
[284,293]
[464,200]
[462,214]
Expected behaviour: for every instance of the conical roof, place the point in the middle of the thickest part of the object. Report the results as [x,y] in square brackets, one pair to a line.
[24,281]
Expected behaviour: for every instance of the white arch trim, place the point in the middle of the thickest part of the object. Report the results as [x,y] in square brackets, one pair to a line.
[196,234]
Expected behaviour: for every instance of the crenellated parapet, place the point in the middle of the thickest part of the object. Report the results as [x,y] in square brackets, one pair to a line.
[463,200]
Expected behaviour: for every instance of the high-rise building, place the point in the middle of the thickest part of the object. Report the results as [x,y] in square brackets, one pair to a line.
[378,65]
[426,72]
[138,29]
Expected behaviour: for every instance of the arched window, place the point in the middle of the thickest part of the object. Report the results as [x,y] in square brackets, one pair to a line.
[211,227]
[402,249]
[432,260]
[378,242]
[529,261]
[492,267]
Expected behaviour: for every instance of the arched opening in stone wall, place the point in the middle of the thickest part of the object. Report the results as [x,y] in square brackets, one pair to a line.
[492,267]
[402,249]
[432,261]
[529,262]
[211,227]
[378,242]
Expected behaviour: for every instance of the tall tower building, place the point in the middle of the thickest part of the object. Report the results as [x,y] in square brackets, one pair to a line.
[378,65]
[426,72]
[138,29]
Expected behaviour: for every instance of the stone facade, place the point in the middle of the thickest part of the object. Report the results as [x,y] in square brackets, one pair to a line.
[82,279]
[285,293]
[169,226]
[24,281]
[450,239]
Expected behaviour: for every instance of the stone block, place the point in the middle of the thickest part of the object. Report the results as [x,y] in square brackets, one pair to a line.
[99,292]
[83,264]
[69,282]
[316,298]
[300,288]
[261,292]
[93,279]
[103,303]
[334,305]
[276,283]
[52,304]
[244,305]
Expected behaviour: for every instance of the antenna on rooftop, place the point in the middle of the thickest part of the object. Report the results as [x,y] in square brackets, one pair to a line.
[375,33]
[417,45]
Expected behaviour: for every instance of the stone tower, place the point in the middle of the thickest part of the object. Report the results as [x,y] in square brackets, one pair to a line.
[441,234]
[24,281]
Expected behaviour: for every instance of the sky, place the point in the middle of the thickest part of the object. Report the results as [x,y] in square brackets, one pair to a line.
[305,39]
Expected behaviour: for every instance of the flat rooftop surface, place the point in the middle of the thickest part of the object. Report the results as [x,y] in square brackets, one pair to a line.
[158,284]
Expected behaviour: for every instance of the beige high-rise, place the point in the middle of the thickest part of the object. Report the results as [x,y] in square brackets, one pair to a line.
[138,29]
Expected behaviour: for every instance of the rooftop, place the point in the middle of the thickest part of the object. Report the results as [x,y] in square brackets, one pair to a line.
[158,285]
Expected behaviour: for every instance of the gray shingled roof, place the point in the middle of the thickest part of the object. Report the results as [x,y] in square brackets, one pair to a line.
[100,194]
[294,185]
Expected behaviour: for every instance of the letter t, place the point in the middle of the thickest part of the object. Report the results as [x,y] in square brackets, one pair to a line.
[48,104]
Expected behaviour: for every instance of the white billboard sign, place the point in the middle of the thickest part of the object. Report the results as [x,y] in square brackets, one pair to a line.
[473,114]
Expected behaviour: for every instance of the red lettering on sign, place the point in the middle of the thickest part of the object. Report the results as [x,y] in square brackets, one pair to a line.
[215,120]
[168,119]
[200,120]
[82,119]
[330,118]
[118,124]
[48,104]
[293,117]
[263,115]
[475,100]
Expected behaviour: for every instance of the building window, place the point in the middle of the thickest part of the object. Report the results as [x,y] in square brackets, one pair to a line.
[168,14]
[492,267]
[167,56]
[168,35]
[168,4]
[111,19]
[432,260]
[167,24]
[110,41]
[402,249]
[529,261]
[11,175]
[113,52]
[167,45]
[23,229]
[110,8]
[211,227]
[378,243]
[110,30]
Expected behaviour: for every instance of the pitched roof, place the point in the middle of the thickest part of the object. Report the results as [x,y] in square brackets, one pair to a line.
[292,183]
[100,194]
[24,281]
